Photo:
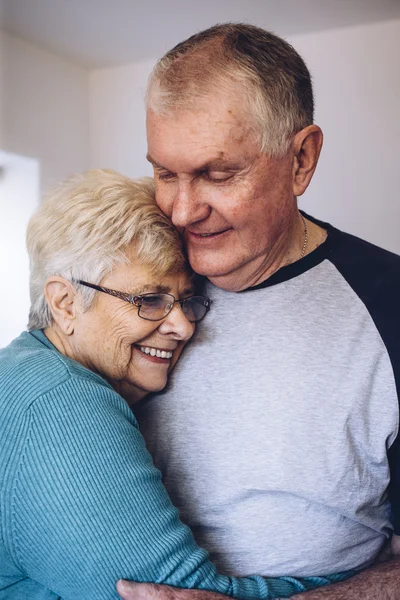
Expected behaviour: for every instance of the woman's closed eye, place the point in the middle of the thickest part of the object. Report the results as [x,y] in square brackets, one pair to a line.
[153,301]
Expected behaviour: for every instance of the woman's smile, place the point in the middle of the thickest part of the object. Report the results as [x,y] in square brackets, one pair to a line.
[156,353]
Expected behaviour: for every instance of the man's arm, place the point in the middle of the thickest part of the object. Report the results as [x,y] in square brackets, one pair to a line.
[380,582]
[128,590]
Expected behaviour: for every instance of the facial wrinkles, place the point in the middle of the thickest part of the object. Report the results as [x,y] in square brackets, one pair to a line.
[186,139]
[243,192]
[107,337]
[266,247]
[235,192]
[274,242]
[256,203]
[114,353]
[183,146]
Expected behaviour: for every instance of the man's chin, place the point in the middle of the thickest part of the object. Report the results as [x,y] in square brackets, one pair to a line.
[226,280]
[207,268]
[206,271]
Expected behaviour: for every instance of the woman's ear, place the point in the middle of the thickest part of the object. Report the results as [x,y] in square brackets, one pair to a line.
[62,301]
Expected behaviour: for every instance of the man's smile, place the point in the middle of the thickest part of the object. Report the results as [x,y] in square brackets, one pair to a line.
[206,235]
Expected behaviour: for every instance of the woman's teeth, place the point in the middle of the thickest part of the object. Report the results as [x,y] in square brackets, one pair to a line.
[154,352]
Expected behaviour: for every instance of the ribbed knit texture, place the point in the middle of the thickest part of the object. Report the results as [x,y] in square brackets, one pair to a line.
[81,502]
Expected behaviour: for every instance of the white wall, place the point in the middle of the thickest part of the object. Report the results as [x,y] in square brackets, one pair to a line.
[117,118]
[357,86]
[44,116]
[45,109]
[19,196]
[1,89]
[357,83]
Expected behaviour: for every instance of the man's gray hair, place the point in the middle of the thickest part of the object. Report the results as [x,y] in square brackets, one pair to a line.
[90,223]
[266,71]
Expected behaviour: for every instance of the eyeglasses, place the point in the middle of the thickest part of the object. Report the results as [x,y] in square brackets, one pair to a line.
[155,307]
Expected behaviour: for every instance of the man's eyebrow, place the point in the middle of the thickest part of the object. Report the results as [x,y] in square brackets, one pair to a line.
[214,163]
[152,161]
[220,163]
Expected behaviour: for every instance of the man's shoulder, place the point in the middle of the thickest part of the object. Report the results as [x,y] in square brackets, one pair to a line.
[365,265]
[348,250]
[374,275]
[367,250]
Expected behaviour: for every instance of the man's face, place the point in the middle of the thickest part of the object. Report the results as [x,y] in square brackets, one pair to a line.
[233,203]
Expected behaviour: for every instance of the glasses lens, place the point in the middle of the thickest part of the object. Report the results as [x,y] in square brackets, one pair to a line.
[194,308]
[155,306]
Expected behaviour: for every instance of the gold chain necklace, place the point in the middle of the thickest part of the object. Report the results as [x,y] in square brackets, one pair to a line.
[305,242]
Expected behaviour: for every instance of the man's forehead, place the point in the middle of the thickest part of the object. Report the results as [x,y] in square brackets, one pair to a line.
[225,111]
[210,136]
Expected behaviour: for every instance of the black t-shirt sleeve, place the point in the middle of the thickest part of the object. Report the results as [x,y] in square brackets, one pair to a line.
[374,274]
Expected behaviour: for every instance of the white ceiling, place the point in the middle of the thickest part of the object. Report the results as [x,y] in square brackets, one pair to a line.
[99,33]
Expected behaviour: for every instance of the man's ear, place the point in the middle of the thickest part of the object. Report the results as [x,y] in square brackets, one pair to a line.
[306,147]
[61,298]
[396,545]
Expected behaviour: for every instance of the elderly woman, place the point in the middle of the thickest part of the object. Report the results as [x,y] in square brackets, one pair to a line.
[113,305]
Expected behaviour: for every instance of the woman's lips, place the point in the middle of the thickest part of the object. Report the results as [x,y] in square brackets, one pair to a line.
[161,357]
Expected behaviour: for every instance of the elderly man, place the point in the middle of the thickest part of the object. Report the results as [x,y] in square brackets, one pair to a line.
[279,434]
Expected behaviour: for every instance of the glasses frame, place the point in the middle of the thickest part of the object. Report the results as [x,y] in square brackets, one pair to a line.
[136,299]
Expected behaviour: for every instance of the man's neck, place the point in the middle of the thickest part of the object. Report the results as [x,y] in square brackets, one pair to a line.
[287,250]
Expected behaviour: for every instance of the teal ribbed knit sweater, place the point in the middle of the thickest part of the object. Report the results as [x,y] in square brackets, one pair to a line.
[81,503]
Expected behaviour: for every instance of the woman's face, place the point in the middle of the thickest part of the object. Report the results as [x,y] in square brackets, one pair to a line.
[112,340]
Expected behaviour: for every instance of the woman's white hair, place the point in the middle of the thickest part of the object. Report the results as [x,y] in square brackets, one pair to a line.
[87,225]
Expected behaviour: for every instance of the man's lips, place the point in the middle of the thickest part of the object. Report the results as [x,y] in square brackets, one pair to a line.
[204,236]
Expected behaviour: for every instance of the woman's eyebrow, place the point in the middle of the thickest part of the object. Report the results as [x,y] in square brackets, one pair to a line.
[163,289]
[152,288]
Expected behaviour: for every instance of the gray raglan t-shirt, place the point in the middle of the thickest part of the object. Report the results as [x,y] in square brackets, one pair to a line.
[279,428]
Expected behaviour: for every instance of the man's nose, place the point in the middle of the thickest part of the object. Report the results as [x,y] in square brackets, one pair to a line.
[177,325]
[188,206]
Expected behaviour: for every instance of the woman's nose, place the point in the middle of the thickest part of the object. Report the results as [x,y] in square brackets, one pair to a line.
[177,324]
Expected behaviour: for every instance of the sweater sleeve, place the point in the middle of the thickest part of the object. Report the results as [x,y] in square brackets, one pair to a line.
[89,507]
